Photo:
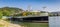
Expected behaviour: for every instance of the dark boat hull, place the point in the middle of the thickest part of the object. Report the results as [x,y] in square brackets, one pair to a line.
[42,19]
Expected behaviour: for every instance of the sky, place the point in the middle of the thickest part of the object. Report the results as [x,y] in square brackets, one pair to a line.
[51,5]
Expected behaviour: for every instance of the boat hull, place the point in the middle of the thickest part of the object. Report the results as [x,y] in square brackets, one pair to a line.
[42,19]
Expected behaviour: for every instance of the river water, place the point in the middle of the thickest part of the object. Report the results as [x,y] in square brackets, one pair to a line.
[54,21]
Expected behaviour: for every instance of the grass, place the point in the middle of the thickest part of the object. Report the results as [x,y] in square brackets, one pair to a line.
[1,25]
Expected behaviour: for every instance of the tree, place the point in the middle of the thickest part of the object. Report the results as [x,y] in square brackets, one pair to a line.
[7,11]
[1,14]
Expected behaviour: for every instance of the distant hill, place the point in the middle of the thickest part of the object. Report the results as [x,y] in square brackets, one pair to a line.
[54,13]
[7,11]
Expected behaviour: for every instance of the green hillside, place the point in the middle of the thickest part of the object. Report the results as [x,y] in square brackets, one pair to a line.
[7,11]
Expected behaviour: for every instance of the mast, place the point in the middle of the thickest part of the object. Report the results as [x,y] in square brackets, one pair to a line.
[29,7]
[44,8]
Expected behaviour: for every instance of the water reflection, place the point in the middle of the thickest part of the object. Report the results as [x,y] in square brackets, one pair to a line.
[54,21]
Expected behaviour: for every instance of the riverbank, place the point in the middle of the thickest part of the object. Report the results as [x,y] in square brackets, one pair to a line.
[31,24]
[7,24]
